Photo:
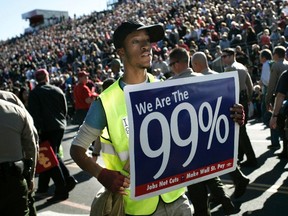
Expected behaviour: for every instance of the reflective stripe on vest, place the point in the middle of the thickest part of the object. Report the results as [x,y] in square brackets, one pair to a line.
[109,149]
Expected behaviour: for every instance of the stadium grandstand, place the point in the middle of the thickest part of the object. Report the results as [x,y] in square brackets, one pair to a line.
[43,18]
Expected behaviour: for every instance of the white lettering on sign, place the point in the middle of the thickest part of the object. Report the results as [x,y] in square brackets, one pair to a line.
[151,186]
[173,180]
[180,96]
[160,103]
[142,108]
[192,175]
[163,183]
[176,97]
[170,130]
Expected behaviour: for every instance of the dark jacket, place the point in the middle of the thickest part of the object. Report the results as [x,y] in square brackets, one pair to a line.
[47,105]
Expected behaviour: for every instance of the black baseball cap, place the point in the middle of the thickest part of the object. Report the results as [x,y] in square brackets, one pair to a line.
[155,32]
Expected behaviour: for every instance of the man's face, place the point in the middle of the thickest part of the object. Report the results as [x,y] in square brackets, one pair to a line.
[83,79]
[173,65]
[195,66]
[226,58]
[137,50]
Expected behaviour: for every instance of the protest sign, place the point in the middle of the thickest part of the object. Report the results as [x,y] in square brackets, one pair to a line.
[180,132]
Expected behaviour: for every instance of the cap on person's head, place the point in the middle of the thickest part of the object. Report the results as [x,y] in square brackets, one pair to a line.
[41,75]
[82,74]
[155,32]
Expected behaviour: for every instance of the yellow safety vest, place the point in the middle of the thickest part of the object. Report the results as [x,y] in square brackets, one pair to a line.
[117,151]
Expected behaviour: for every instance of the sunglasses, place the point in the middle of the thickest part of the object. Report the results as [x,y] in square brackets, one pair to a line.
[173,63]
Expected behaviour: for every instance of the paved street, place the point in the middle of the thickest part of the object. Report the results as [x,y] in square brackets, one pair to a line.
[266,195]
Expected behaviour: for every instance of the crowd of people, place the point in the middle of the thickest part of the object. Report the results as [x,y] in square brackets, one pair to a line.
[79,55]
[86,43]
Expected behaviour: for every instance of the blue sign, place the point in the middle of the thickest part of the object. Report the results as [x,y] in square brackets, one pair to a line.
[180,132]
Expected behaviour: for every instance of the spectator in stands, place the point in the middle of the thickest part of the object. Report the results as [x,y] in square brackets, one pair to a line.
[115,66]
[23,95]
[275,37]
[237,41]
[158,63]
[245,24]
[234,30]
[256,24]
[255,62]
[183,45]
[265,38]
[223,28]
[218,52]
[194,33]
[251,37]
[241,56]
[224,42]
[283,42]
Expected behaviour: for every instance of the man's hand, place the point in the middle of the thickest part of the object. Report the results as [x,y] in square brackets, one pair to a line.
[114,181]
[238,114]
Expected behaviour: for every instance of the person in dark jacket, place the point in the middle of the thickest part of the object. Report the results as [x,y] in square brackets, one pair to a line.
[48,107]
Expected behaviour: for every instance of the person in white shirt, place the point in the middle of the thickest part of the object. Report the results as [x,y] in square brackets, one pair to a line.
[266,60]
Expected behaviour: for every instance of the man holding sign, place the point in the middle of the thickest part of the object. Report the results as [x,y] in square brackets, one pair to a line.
[132,40]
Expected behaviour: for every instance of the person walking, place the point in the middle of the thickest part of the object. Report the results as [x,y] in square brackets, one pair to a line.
[198,192]
[266,60]
[132,40]
[115,66]
[200,64]
[179,61]
[48,107]
[11,97]
[18,156]
[246,91]
[281,96]
[83,97]
[279,66]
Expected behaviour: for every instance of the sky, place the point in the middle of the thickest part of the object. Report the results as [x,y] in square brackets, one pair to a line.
[11,11]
